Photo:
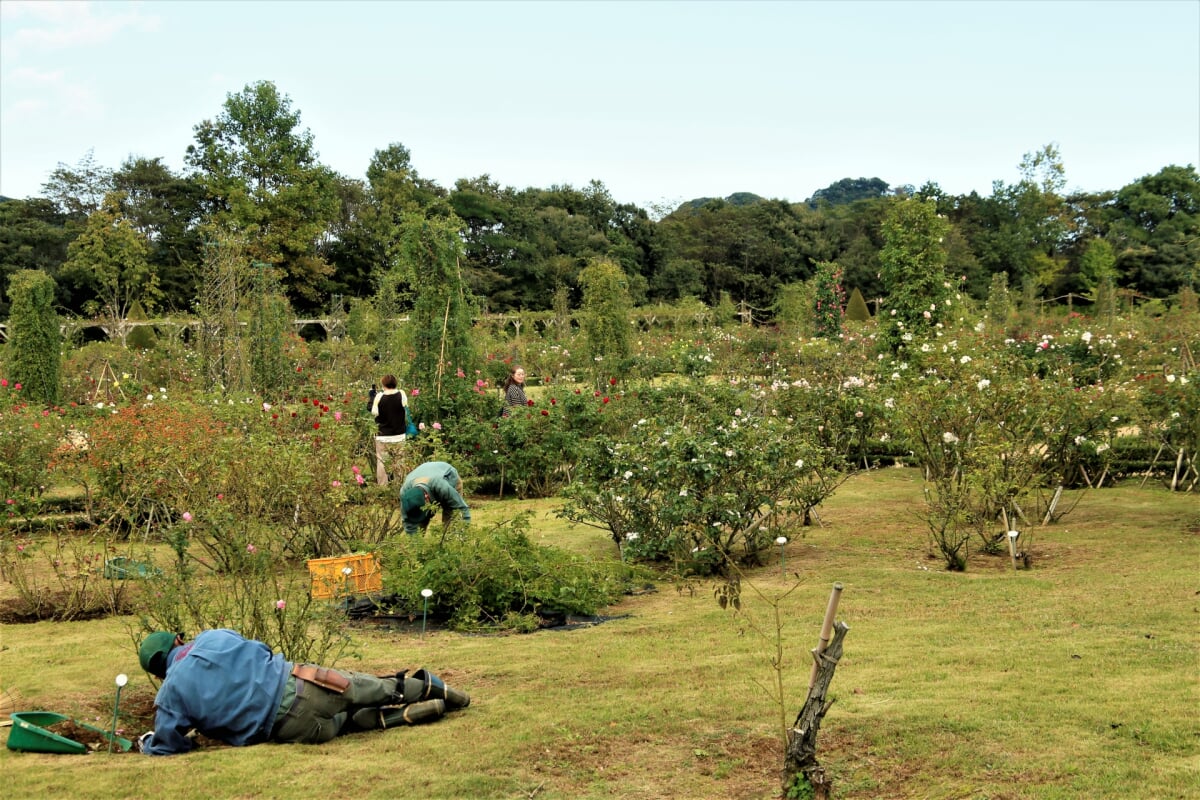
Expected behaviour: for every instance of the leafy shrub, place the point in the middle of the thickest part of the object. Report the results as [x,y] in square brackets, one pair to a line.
[494,578]
[60,576]
[233,573]
[700,481]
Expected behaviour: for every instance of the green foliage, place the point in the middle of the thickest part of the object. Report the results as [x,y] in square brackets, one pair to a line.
[829,299]
[998,302]
[33,354]
[28,438]
[495,578]
[800,789]
[912,267]
[793,303]
[227,572]
[270,321]
[699,481]
[443,306]
[605,317]
[269,184]
[60,576]
[110,257]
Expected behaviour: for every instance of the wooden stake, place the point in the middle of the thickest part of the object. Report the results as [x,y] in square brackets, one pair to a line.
[826,631]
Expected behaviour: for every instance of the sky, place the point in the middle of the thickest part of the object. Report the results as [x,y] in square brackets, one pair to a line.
[661,102]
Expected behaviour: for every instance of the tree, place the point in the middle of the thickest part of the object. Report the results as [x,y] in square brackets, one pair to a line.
[912,267]
[33,235]
[34,349]
[263,180]
[1155,231]
[1028,223]
[110,259]
[166,209]
[848,190]
[80,190]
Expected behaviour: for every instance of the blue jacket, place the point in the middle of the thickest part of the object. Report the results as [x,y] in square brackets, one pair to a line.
[225,686]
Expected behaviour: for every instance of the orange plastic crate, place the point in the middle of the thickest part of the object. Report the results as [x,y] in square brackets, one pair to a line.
[339,576]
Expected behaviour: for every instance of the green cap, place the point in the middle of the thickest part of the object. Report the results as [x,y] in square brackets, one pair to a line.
[412,508]
[153,653]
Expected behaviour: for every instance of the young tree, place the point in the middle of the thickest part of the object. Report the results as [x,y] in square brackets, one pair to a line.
[605,318]
[441,320]
[34,349]
[1098,274]
[110,259]
[270,317]
[998,302]
[912,267]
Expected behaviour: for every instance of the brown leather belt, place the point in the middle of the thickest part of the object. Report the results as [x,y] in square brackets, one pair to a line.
[324,677]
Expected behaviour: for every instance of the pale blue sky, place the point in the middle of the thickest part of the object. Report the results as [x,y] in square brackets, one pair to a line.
[661,101]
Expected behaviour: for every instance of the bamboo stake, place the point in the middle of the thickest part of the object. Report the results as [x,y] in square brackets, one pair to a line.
[1150,468]
[1175,474]
[1012,547]
[1053,505]
[826,631]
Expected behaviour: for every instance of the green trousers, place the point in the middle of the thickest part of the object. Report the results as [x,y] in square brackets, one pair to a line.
[310,714]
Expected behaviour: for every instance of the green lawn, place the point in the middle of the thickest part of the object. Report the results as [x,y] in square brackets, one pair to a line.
[1077,678]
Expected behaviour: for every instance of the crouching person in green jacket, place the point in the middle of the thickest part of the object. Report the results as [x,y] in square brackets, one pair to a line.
[236,690]
[434,482]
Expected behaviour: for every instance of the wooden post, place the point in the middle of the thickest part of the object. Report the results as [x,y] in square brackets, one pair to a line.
[1012,547]
[800,757]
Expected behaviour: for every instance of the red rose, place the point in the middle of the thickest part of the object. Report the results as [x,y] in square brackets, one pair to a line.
[553,401]
[612,381]
[529,403]
[545,413]
[316,425]
[605,400]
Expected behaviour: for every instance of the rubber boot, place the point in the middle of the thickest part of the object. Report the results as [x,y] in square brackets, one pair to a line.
[396,716]
[424,685]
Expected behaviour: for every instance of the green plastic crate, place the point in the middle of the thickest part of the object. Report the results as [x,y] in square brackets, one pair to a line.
[121,568]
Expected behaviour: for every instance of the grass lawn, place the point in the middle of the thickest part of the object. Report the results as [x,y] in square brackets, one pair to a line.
[1077,678]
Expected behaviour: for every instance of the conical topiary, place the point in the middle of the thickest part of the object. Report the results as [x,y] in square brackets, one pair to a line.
[856,307]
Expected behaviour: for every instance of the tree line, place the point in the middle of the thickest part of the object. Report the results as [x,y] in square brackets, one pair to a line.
[140,237]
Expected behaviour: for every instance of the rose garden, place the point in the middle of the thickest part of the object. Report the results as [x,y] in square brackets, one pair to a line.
[667,460]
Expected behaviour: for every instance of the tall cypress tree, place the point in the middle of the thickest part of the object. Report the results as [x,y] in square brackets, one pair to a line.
[34,336]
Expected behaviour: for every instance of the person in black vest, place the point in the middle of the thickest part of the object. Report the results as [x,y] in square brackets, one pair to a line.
[390,409]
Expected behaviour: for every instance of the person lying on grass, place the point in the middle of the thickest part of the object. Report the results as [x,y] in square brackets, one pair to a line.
[237,691]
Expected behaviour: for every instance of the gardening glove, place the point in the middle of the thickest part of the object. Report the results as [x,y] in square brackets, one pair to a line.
[143,741]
